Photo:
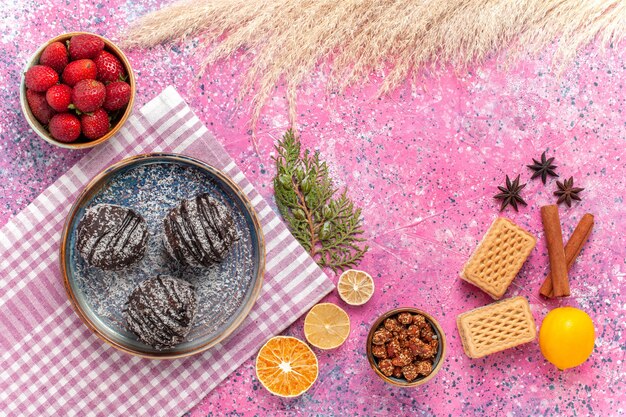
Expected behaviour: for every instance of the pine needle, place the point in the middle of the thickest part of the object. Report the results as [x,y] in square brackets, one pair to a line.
[328,227]
[358,37]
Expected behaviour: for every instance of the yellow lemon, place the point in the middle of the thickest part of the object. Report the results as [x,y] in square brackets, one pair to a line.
[326,326]
[566,337]
[355,287]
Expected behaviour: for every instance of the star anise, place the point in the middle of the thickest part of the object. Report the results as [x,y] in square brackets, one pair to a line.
[567,192]
[543,168]
[510,194]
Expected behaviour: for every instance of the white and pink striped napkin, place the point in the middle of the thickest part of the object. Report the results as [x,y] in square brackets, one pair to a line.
[53,365]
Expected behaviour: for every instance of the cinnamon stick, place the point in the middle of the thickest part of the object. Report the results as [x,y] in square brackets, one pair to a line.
[572,249]
[556,252]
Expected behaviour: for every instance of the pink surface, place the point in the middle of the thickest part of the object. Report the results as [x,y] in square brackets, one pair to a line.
[424,165]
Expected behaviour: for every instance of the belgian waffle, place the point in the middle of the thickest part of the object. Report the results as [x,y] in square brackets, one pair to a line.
[498,257]
[496,327]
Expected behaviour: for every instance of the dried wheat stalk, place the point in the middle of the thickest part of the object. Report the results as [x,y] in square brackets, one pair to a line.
[355,37]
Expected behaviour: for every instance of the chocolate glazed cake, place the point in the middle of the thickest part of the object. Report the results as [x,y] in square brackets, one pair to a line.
[199,232]
[160,311]
[111,237]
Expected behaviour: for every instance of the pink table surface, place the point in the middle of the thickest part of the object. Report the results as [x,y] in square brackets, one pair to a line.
[424,165]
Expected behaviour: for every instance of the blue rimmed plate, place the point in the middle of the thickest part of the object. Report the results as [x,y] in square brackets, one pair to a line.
[152,184]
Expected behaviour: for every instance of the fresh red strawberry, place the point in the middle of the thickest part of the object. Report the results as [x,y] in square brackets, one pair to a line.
[40,77]
[118,95]
[85,46]
[64,127]
[109,67]
[88,95]
[83,69]
[59,97]
[95,125]
[54,56]
[39,106]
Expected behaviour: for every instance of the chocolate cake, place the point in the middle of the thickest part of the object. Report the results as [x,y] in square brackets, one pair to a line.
[199,232]
[160,311]
[111,237]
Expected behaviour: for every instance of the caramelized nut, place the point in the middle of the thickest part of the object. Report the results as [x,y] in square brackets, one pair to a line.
[404,358]
[393,348]
[424,367]
[379,351]
[420,349]
[413,349]
[405,318]
[428,351]
[427,333]
[413,330]
[410,372]
[386,367]
[392,325]
[381,336]
[434,344]
[419,320]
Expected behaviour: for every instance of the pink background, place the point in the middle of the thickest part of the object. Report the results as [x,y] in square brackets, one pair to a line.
[424,165]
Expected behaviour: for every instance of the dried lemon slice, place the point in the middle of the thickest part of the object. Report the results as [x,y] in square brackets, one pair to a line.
[286,366]
[326,326]
[355,287]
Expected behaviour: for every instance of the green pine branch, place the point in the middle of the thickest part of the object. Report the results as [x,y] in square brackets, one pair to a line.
[328,227]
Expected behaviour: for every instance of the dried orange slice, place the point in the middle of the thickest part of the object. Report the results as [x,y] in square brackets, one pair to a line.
[286,366]
[326,326]
[355,287]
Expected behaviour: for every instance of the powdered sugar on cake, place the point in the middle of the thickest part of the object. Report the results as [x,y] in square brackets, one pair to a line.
[199,231]
[111,237]
[153,191]
[161,310]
